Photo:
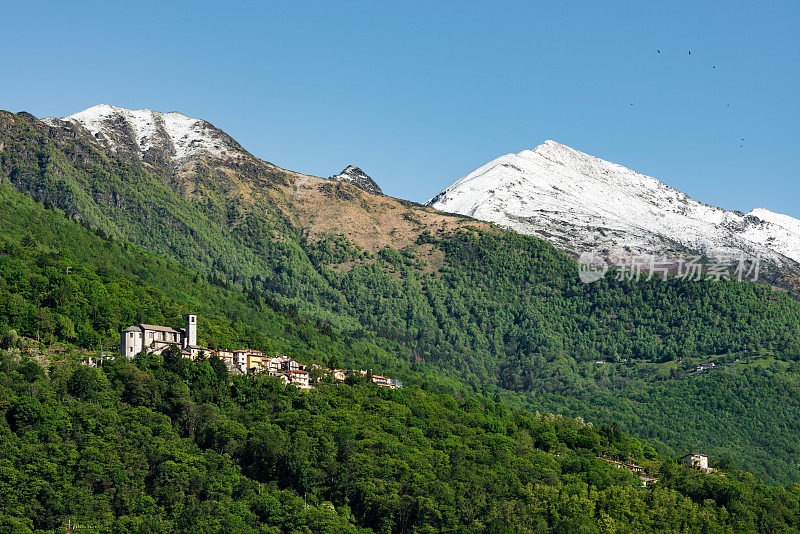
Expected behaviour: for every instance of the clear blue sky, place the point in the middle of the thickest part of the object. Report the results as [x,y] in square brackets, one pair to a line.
[419,94]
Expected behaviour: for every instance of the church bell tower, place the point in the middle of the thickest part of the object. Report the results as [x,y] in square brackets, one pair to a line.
[191,329]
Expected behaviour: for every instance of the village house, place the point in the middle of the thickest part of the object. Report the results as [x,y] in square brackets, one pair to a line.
[228,357]
[254,359]
[382,381]
[224,355]
[240,360]
[618,465]
[378,380]
[195,351]
[277,365]
[636,469]
[274,365]
[697,461]
[245,360]
[646,481]
[292,365]
[300,378]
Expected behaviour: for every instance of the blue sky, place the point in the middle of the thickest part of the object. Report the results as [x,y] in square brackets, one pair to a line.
[419,94]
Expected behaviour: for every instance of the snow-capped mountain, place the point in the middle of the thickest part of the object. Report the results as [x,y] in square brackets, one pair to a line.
[353,175]
[581,203]
[172,135]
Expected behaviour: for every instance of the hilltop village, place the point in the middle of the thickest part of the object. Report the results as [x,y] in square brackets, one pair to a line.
[155,339]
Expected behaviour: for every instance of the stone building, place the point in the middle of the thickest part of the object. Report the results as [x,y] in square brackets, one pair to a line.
[155,339]
[697,461]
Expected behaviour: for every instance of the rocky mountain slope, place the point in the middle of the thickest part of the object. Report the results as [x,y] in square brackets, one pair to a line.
[170,134]
[353,175]
[581,203]
[131,165]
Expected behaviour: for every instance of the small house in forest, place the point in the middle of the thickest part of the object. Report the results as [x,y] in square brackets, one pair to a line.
[697,461]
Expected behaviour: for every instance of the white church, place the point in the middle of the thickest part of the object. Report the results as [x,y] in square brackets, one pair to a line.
[155,339]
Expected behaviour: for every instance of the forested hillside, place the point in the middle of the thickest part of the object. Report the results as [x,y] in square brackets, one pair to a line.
[169,445]
[62,282]
[388,284]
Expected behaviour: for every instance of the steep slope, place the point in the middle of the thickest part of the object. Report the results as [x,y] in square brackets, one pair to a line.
[581,203]
[181,447]
[60,280]
[443,293]
[353,175]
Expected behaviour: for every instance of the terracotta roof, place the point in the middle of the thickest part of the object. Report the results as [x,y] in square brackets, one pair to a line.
[610,461]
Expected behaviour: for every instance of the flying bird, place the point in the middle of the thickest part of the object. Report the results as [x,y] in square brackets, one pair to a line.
[690,52]
[659,51]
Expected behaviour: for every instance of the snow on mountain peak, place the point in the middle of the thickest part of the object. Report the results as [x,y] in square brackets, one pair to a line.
[553,147]
[179,136]
[583,203]
[784,221]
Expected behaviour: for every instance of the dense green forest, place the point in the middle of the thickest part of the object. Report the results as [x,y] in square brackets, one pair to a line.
[504,311]
[163,444]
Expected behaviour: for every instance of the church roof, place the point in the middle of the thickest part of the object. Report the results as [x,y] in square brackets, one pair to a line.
[132,329]
[159,328]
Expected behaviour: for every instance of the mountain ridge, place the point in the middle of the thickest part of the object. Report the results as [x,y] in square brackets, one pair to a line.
[181,136]
[582,203]
[353,175]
